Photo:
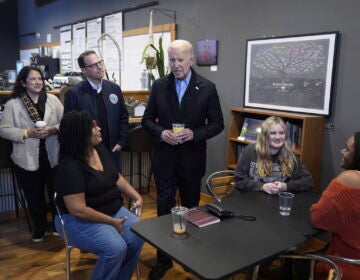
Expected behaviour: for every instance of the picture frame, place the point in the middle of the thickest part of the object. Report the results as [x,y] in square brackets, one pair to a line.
[291,73]
[206,52]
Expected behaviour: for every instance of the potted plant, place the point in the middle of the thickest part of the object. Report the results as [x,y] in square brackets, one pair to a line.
[154,58]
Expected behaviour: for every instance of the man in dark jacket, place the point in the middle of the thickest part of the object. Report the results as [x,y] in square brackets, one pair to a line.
[103,100]
[179,159]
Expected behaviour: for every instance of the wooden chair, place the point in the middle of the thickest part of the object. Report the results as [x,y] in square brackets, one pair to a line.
[220,183]
[139,141]
[69,247]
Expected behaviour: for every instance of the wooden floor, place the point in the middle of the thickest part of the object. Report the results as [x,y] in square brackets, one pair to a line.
[21,259]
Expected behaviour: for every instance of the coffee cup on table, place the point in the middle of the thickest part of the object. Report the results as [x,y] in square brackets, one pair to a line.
[40,124]
[178,214]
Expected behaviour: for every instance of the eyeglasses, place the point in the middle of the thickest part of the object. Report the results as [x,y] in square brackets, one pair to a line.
[96,64]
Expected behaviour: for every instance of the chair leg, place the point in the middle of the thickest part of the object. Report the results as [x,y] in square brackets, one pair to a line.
[312,268]
[149,176]
[21,199]
[255,272]
[138,277]
[140,172]
[16,200]
[67,267]
[131,174]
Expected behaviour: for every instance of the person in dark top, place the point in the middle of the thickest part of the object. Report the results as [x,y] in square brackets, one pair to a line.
[179,158]
[90,189]
[269,165]
[103,100]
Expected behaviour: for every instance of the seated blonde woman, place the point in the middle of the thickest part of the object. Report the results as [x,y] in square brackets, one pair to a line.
[269,165]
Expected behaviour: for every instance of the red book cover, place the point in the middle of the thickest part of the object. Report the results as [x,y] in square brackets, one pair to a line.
[201,218]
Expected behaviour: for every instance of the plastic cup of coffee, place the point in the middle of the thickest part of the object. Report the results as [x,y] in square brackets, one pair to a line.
[177,127]
[178,214]
[40,124]
[285,203]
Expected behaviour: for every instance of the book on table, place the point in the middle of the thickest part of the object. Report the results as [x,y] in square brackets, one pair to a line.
[201,218]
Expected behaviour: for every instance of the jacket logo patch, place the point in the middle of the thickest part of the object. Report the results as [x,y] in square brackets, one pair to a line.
[113,98]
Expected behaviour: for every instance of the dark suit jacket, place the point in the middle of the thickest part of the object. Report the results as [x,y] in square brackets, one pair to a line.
[200,111]
[82,97]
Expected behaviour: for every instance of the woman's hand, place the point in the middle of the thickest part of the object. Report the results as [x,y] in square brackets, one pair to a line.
[118,224]
[270,188]
[136,206]
[42,133]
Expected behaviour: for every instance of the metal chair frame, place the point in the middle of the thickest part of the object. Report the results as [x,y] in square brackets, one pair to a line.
[69,247]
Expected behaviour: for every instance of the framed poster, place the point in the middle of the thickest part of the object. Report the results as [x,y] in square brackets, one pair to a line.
[292,73]
[206,52]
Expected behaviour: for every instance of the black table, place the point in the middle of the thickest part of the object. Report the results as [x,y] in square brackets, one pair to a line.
[220,250]
[265,208]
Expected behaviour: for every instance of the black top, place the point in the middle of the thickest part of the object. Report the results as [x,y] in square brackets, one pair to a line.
[101,192]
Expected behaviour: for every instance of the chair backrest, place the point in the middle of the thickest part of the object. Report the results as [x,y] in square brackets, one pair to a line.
[63,228]
[139,140]
[220,183]
[334,273]
[5,153]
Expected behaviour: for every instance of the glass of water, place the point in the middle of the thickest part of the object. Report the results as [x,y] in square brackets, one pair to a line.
[285,203]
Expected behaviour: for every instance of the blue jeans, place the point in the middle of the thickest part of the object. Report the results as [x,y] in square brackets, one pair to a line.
[117,254]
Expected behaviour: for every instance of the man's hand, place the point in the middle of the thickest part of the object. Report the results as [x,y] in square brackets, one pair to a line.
[184,135]
[117,148]
[169,137]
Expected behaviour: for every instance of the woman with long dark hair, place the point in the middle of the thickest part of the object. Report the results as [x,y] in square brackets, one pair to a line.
[90,190]
[35,149]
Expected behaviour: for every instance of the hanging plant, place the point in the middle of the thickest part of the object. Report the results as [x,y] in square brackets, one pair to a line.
[160,58]
[157,61]
[148,59]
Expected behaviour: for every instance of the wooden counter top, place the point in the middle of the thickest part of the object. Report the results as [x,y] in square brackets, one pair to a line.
[141,95]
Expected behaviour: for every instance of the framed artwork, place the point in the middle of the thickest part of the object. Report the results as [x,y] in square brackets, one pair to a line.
[206,52]
[293,73]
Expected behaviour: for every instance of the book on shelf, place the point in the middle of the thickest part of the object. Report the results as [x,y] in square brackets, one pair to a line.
[294,135]
[200,217]
[250,129]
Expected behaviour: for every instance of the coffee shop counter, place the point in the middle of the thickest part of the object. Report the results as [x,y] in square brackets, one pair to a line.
[141,95]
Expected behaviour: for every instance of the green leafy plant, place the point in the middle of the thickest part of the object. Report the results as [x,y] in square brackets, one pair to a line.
[152,62]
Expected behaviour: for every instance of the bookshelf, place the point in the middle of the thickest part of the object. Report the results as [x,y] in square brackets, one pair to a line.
[312,132]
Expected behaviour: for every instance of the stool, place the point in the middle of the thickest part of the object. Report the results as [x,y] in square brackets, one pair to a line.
[7,163]
[139,141]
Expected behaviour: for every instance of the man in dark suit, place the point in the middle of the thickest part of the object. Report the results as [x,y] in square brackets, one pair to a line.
[179,159]
[103,100]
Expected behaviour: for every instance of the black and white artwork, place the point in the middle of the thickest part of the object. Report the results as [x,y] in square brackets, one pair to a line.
[291,73]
